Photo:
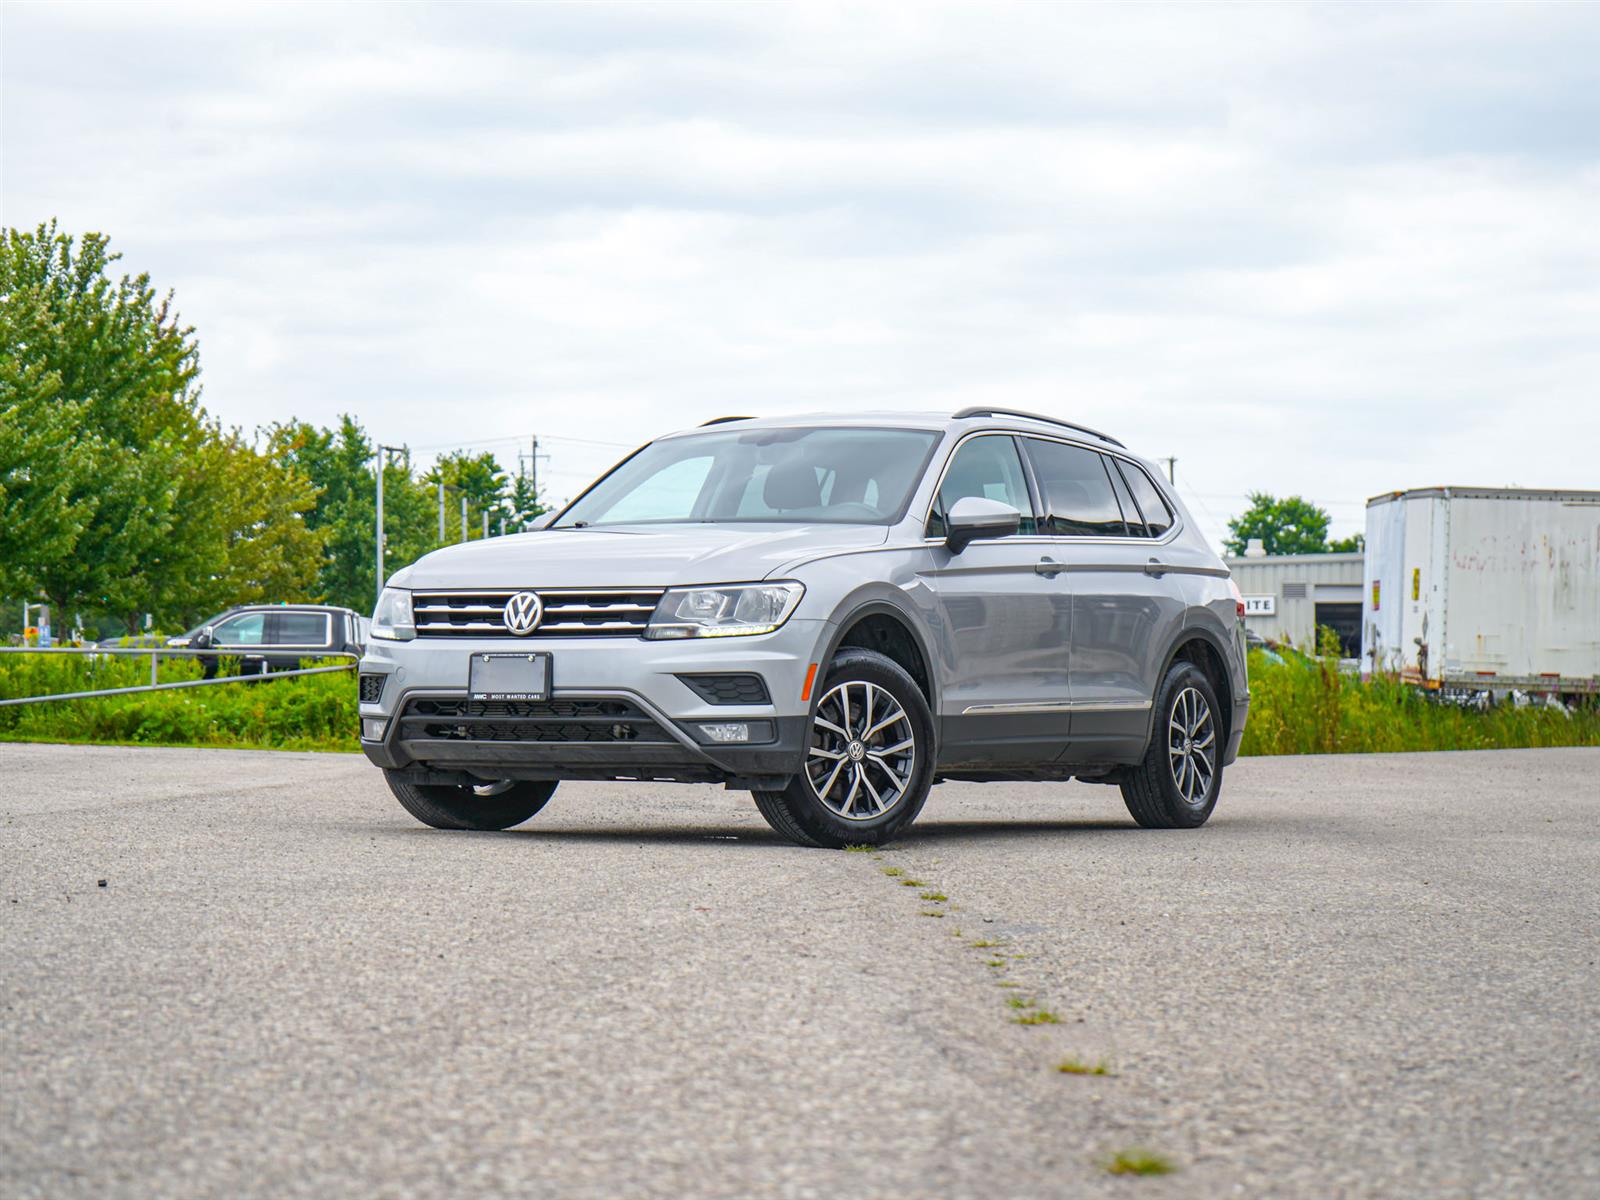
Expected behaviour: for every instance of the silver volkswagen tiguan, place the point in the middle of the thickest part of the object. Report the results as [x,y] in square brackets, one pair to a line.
[832,612]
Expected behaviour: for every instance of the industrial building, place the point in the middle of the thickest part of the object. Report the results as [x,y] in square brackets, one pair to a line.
[1287,596]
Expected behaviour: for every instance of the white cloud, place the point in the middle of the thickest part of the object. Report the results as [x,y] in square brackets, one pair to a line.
[1333,250]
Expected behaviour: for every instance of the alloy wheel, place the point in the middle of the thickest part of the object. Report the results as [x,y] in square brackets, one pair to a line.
[1192,746]
[863,751]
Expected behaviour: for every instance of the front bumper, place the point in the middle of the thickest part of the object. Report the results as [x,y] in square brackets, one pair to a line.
[631,674]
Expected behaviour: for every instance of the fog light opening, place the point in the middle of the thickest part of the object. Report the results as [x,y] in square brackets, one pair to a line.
[372,728]
[727,731]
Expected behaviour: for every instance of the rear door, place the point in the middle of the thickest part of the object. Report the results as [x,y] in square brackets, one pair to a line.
[1007,626]
[296,635]
[1125,610]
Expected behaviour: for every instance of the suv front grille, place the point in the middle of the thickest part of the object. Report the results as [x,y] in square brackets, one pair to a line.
[568,612]
[529,721]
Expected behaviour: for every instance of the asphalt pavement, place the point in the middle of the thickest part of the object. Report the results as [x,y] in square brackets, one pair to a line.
[1367,976]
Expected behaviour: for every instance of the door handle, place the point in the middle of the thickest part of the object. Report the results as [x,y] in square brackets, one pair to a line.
[1155,567]
[1049,568]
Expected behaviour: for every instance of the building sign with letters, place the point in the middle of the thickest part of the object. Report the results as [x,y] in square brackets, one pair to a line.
[1260,606]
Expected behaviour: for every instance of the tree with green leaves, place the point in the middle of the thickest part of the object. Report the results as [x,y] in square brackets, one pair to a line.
[341,463]
[1287,526]
[119,495]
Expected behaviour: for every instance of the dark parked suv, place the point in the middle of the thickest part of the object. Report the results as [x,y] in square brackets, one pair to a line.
[834,612]
[264,637]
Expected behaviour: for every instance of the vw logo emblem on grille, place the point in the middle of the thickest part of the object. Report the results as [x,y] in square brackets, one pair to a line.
[523,613]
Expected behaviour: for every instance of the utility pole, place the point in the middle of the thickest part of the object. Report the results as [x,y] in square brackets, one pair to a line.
[441,510]
[486,523]
[383,461]
[463,516]
[1172,470]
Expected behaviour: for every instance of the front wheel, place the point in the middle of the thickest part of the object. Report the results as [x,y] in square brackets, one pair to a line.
[1177,784]
[491,806]
[869,758]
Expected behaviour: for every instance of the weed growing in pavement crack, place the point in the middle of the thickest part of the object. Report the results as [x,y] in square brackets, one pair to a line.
[1076,1066]
[861,849]
[932,912]
[1037,1016]
[1138,1162]
[936,897]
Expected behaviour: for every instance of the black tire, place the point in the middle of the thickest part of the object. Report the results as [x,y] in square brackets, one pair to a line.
[798,812]
[446,807]
[1161,793]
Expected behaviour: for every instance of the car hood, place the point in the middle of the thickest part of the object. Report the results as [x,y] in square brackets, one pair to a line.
[634,556]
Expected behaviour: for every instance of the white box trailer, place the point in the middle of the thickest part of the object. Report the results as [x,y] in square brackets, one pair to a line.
[1484,589]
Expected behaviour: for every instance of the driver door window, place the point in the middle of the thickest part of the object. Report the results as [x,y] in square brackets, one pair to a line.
[249,629]
[988,467]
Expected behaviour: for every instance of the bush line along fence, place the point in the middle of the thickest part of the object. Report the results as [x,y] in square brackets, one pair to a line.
[1300,705]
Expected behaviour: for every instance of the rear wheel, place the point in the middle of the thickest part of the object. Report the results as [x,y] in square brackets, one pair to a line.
[490,806]
[1177,784]
[869,758]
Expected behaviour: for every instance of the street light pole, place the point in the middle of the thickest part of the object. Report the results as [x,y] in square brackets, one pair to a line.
[383,461]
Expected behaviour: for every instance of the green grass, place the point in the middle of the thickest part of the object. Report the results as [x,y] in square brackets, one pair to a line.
[1306,706]
[891,871]
[1138,1162]
[307,712]
[861,849]
[1076,1066]
[983,943]
[936,897]
[932,912]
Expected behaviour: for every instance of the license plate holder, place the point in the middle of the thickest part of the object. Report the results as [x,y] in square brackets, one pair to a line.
[508,677]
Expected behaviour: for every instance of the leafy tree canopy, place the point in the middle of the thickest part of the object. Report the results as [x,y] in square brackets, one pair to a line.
[118,495]
[1287,526]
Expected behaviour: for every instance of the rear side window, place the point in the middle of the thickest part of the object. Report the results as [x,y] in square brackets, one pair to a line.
[988,467]
[1130,510]
[1158,517]
[1076,491]
[300,629]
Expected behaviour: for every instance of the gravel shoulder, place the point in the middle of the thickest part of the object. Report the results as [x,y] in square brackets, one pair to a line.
[1367,976]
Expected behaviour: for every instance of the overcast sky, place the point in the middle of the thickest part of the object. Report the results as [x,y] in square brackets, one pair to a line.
[1328,250]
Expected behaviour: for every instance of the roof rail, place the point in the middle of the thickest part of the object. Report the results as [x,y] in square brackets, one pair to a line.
[987,410]
[723,420]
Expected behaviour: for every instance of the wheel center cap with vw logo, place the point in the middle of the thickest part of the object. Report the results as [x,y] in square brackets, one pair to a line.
[523,613]
[856,751]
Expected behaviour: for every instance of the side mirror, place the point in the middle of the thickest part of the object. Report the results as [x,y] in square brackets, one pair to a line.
[973,518]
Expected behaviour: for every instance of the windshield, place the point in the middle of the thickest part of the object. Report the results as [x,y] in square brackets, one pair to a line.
[840,476]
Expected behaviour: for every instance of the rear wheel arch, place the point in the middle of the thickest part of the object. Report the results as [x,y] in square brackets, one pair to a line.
[1199,647]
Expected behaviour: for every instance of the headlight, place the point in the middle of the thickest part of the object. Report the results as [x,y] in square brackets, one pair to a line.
[738,609]
[392,618]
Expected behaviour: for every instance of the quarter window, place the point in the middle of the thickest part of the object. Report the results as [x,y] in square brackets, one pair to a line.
[1076,491]
[1157,515]
[988,467]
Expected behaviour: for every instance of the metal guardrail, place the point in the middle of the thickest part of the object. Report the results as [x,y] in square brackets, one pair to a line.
[156,653]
